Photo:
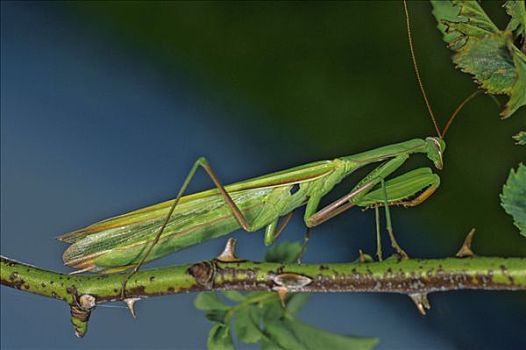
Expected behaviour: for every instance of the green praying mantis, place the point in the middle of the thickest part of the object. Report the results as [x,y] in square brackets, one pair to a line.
[120,242]
[130,240]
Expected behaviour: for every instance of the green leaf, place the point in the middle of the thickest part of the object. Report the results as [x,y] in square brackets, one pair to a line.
[484,51]
[520,138]
[217,316]
[289,333]
[286,252]
[219,338]
[490,62]
[209,301]
[246,324]
[518,93]
[296,301]
[517,12]
[513,197]
[481,49]
[460,21]
[234,295]
[272,310]
[270,345]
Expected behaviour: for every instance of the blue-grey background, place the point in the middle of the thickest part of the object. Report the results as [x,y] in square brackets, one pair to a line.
[101,115]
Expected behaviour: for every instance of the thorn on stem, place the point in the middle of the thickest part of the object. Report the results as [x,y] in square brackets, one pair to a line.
[364,258]
[229,253]
[421,302]
[289,282]
[80,313]
[87,301]
[130,303]
[465,250]
[282,294]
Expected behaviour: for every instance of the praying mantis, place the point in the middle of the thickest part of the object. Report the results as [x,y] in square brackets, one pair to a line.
[132,239]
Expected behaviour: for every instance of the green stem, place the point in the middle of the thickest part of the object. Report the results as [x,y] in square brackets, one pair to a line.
[407,276]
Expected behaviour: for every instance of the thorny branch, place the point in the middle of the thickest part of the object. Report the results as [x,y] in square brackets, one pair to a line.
[414,277]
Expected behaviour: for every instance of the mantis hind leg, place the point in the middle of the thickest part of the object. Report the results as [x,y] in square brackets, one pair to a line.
[236,212]
[306,238]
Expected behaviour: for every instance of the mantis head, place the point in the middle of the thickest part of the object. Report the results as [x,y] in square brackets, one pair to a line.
[434,149]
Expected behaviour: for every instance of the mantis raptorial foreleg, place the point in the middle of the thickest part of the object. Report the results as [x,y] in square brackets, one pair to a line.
[421,182]
[421,197]
[314,218]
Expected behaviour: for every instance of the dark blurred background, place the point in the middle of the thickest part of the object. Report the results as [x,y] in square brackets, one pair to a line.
[105,105]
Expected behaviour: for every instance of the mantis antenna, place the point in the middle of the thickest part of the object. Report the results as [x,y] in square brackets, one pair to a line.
[459,108]
[442,133]
[417,72]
